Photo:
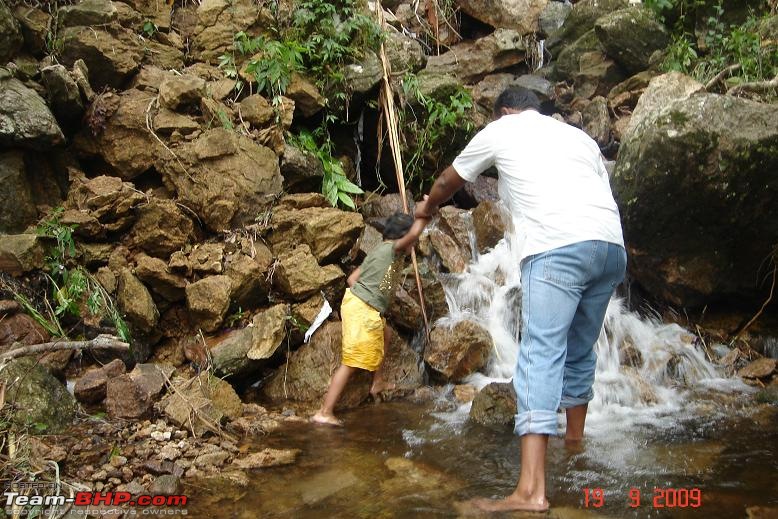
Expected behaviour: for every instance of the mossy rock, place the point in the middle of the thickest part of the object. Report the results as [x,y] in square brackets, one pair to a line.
[37,399]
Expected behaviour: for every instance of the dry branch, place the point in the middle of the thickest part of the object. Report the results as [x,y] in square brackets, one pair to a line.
[100,342]
[754,87]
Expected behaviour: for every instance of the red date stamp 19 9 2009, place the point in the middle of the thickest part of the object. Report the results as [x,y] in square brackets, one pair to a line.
[661,498]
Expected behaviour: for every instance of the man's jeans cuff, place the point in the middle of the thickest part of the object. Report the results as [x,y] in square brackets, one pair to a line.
[536,422]
[570,401]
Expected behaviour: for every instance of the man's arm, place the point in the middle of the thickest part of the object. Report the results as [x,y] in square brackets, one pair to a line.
[448,183]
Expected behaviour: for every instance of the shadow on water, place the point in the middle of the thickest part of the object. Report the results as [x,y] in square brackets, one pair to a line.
[410,460]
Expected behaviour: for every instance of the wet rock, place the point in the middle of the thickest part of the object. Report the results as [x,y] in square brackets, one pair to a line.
[136,303]
[489,225]
[91,387]
[267,458]
[177,92]
[484,188]
[112,53]
[457,223]
[306,375]
[201,403]
[629,355]
[106,200]
[15,189]
[208,300]
[25,119]
[520,15]
[464,393]
[434,295]
[156,275]
[10,34]
[469,61]
[760,368]
[249,288]
[495,404]
[401,366]
[117,133]
[413,477]
[38,400]
[456,352]
[452,255]
[666,158]
[761,512]
[302,171]
[162,228]
[132,395]
[365,75]
[330,233]
[63,95]
[229,178]
[405,312]
[596,121]
[298,274]
[768,395]
[631,36]
[20,253]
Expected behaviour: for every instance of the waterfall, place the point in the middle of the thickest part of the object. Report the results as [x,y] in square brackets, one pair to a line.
[646,369]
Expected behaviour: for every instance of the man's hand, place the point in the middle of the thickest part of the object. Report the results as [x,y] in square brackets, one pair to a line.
[407,242]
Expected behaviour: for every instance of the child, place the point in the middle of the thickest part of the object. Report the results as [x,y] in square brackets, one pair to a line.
[371,285]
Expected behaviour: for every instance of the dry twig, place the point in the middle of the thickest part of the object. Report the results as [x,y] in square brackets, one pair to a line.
[102,341]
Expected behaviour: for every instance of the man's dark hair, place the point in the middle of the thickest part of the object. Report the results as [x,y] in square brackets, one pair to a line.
[396,226]
[518,98]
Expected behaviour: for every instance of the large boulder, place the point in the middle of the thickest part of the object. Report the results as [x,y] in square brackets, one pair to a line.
[106,202]
[25,119]
[471,60]
[581,19]
[306,375]
[16,192]
[219,20]
[329,232]
[697,225]
[405,311]
[631,36]
[660,92]
[208,301]
[520,15]
[494,405]
[35,398]
[10,34]
[453,257]
[224,177]
[298,275]
[458,351]
[489,222]
[112,53]
[117,133]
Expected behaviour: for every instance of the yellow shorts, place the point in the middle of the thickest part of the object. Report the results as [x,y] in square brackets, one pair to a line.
[363,333]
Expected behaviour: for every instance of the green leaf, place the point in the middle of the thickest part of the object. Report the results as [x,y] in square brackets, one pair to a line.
[346,200]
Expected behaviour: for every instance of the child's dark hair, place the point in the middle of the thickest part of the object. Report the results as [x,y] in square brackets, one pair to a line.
[396,226]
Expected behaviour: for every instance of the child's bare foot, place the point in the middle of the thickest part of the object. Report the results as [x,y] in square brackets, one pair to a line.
[326,419]
[512,503]
[377,389]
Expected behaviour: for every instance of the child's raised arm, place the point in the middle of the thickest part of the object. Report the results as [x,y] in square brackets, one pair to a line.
[407,242]
[353,277]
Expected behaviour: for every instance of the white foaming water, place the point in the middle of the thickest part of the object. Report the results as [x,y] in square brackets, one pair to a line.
[663,361]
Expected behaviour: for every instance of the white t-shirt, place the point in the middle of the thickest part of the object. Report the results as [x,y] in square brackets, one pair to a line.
[552,174]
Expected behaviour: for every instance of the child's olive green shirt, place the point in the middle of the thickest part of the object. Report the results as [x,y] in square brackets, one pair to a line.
[378,276]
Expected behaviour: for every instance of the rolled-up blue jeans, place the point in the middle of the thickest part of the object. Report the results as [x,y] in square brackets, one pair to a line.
[565,294]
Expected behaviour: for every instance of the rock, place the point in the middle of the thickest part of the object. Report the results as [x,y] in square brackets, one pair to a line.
[760,368]
[469,61]
[229,178]
[452,255]
[401,366]
[302,201]
[38,400]
[405,312]
[305,95]
[456,352]
[302,171]
[382,206]
[306,375]
[10,34]
[166,122]
[165,485]
[177,92]
[87,12]
[434,295]
[631,36]
[686,254]
[486,92]
[330,233]
[163,56]
[219,20]
[484,188]
[267,458]
[249,288]
[20,328]
[581,19]
[207,258]
[269,330]
[495,404]
[155,273]
[63,95]
[489,225]
[91,387]
[35,25]
[256,110]
[136,303]
[761,512]
[661,91]
[25,120]
[208,300]
[228,353]
[457,223]
[404,52]
[162,228]
[9,307]
[132,395]
[362,77]
[584,62]
[553,17]
[212,398]
[106,200]
[596,121]
[519,15]
[298,274]
[118,135]
[16,192]
[20,253]
[628,92]
[112,53]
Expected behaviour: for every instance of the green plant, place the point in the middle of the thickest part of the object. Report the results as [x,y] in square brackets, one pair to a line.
[336,187]
[149,28]
[236,317]
[432,129]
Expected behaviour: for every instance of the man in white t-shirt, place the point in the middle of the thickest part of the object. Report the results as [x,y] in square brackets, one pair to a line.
[552,174]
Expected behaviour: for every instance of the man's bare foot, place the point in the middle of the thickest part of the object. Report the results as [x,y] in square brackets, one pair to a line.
[324,419]
[511,503]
